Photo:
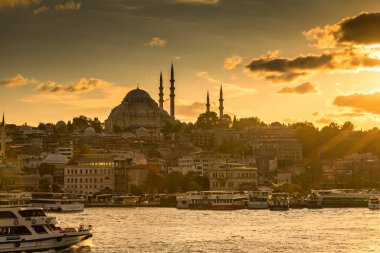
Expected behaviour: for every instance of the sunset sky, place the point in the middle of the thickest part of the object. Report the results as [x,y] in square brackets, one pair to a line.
[279,60]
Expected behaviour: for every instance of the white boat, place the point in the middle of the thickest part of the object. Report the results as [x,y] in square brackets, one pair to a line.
[278,201]
[374,203]
[14,199]
[28,229]
[258,200]
[61,202]
[212,200]
[343,197]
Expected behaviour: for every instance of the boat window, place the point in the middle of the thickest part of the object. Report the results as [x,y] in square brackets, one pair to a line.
[39,229]
[31,213]
[7,215]
[19,230]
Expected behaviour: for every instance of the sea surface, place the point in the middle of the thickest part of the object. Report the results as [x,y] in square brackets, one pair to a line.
[172,230]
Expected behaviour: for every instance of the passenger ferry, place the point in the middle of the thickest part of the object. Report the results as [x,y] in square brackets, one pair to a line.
[278,201]
[374,203]
[343,197]
[14,199]
[213,200]
[28,229]
[258,200]
[314,201]
[59,202]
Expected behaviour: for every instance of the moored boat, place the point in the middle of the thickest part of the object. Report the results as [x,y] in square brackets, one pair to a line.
[59,202]
[212,200]
[258,199]
[28,229]
[344,198]
[374,203]
[278,201]
[314,201]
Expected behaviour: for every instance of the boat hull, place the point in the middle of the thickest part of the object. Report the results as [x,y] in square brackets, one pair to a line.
[257,205]
[44,244]
[374,206]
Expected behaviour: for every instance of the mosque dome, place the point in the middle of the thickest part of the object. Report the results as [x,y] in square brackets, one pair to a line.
[89,131]
[137,95]
[56,159]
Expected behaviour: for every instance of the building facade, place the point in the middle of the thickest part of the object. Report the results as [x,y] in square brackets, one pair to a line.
[232,177]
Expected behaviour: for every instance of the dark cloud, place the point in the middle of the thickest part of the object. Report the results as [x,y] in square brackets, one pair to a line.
[289,69]
[360,102]
[305,88]
[359,30]
[83,85]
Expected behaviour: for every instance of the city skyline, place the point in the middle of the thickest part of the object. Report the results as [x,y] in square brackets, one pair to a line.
[63,59]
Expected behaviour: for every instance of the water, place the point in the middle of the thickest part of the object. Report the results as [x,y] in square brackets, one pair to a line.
[172,230]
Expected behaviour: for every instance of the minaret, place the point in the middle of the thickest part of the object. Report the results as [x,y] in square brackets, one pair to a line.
[3,147]
[221,107]
[208,103]
[161,94]
[172,95]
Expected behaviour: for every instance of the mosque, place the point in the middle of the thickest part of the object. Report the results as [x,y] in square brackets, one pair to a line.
[139,110]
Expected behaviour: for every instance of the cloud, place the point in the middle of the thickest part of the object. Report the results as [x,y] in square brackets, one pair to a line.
[233,61]
[286,77]
[87,93]
[15,81]
[205,2]
[358,30]
[18,3]
[189,110]
[305,88]
[360,101]
[156,42]
[288,69]
[70,5]
[324,121]
[41,9]
[354,44]
[83,85]
[229,89]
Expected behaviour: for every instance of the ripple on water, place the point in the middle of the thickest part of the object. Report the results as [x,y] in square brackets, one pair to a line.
[170,230]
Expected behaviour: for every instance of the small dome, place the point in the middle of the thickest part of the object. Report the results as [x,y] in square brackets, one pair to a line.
[25,128]
[137,94]
[89,131]
[56,159]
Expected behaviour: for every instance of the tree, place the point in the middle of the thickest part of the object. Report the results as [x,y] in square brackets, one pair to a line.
[96,124]
[246,123]
[155,181]
[81,122]
[207,120]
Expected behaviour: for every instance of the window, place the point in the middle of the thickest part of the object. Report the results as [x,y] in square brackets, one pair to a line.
[31,213]
[7,215]
[9,231]
[39,229]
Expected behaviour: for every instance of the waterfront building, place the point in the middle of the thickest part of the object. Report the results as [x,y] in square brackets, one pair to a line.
[122,164]
[93,173]
[232,177]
